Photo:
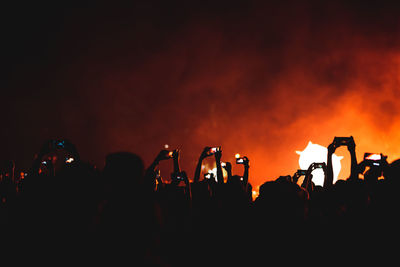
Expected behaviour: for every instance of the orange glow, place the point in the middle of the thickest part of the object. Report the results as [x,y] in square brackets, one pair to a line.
[214,84]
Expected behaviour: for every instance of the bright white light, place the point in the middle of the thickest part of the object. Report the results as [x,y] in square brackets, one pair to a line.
[214,171]
[166,146]
[69,160]
[374,157]
[237,155]
[317,153]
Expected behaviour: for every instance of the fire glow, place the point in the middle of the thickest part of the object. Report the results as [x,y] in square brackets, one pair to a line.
[317,153]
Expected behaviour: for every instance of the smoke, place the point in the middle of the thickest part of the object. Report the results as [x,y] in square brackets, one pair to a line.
[258,78]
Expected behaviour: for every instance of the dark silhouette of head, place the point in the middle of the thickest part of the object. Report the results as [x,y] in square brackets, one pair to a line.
[235,180]
[123,168]
[392,173]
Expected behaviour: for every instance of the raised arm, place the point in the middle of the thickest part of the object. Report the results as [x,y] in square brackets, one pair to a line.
[188,191]
[197,172]
[151,173]
[246,171]
[328,181]
[351,146]
[307,182]
[175,158]
[220,177]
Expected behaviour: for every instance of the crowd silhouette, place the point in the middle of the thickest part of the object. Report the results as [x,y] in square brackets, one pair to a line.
[128,212]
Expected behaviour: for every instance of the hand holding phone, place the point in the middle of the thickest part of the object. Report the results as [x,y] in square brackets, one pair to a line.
[301,172]
[344,141]
[341,141]
[164,155]
[298,174]
[213,150]
[374,159]
[317,165]
[243,160]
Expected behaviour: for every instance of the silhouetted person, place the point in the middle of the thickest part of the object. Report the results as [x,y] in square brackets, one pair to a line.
[128,226]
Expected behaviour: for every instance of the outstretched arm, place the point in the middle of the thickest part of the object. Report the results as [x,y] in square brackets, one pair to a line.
[197,172]
[351,146]
[220,177]
[150,174]
[188,190]
[328,181]
[307,185]
[246,172]
[175,157]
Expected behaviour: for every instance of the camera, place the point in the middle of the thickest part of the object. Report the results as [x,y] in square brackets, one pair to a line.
[214,150]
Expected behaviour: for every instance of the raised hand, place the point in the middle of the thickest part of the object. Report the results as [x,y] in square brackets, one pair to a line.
[205,153]
[164,155]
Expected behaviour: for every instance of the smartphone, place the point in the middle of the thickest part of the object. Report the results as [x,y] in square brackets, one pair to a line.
[240,161]
[342,141]
[213,150]
[318,165]
[374,159]
[301,172]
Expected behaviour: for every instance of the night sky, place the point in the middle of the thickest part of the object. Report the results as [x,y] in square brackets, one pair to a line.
[260,78]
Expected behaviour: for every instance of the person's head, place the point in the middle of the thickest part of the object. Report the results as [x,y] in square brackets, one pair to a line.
[372,175]
[57,154]
[235,180]
[392,172]
[123,168]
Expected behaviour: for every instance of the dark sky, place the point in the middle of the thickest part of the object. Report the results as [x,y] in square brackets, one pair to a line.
[261,78]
